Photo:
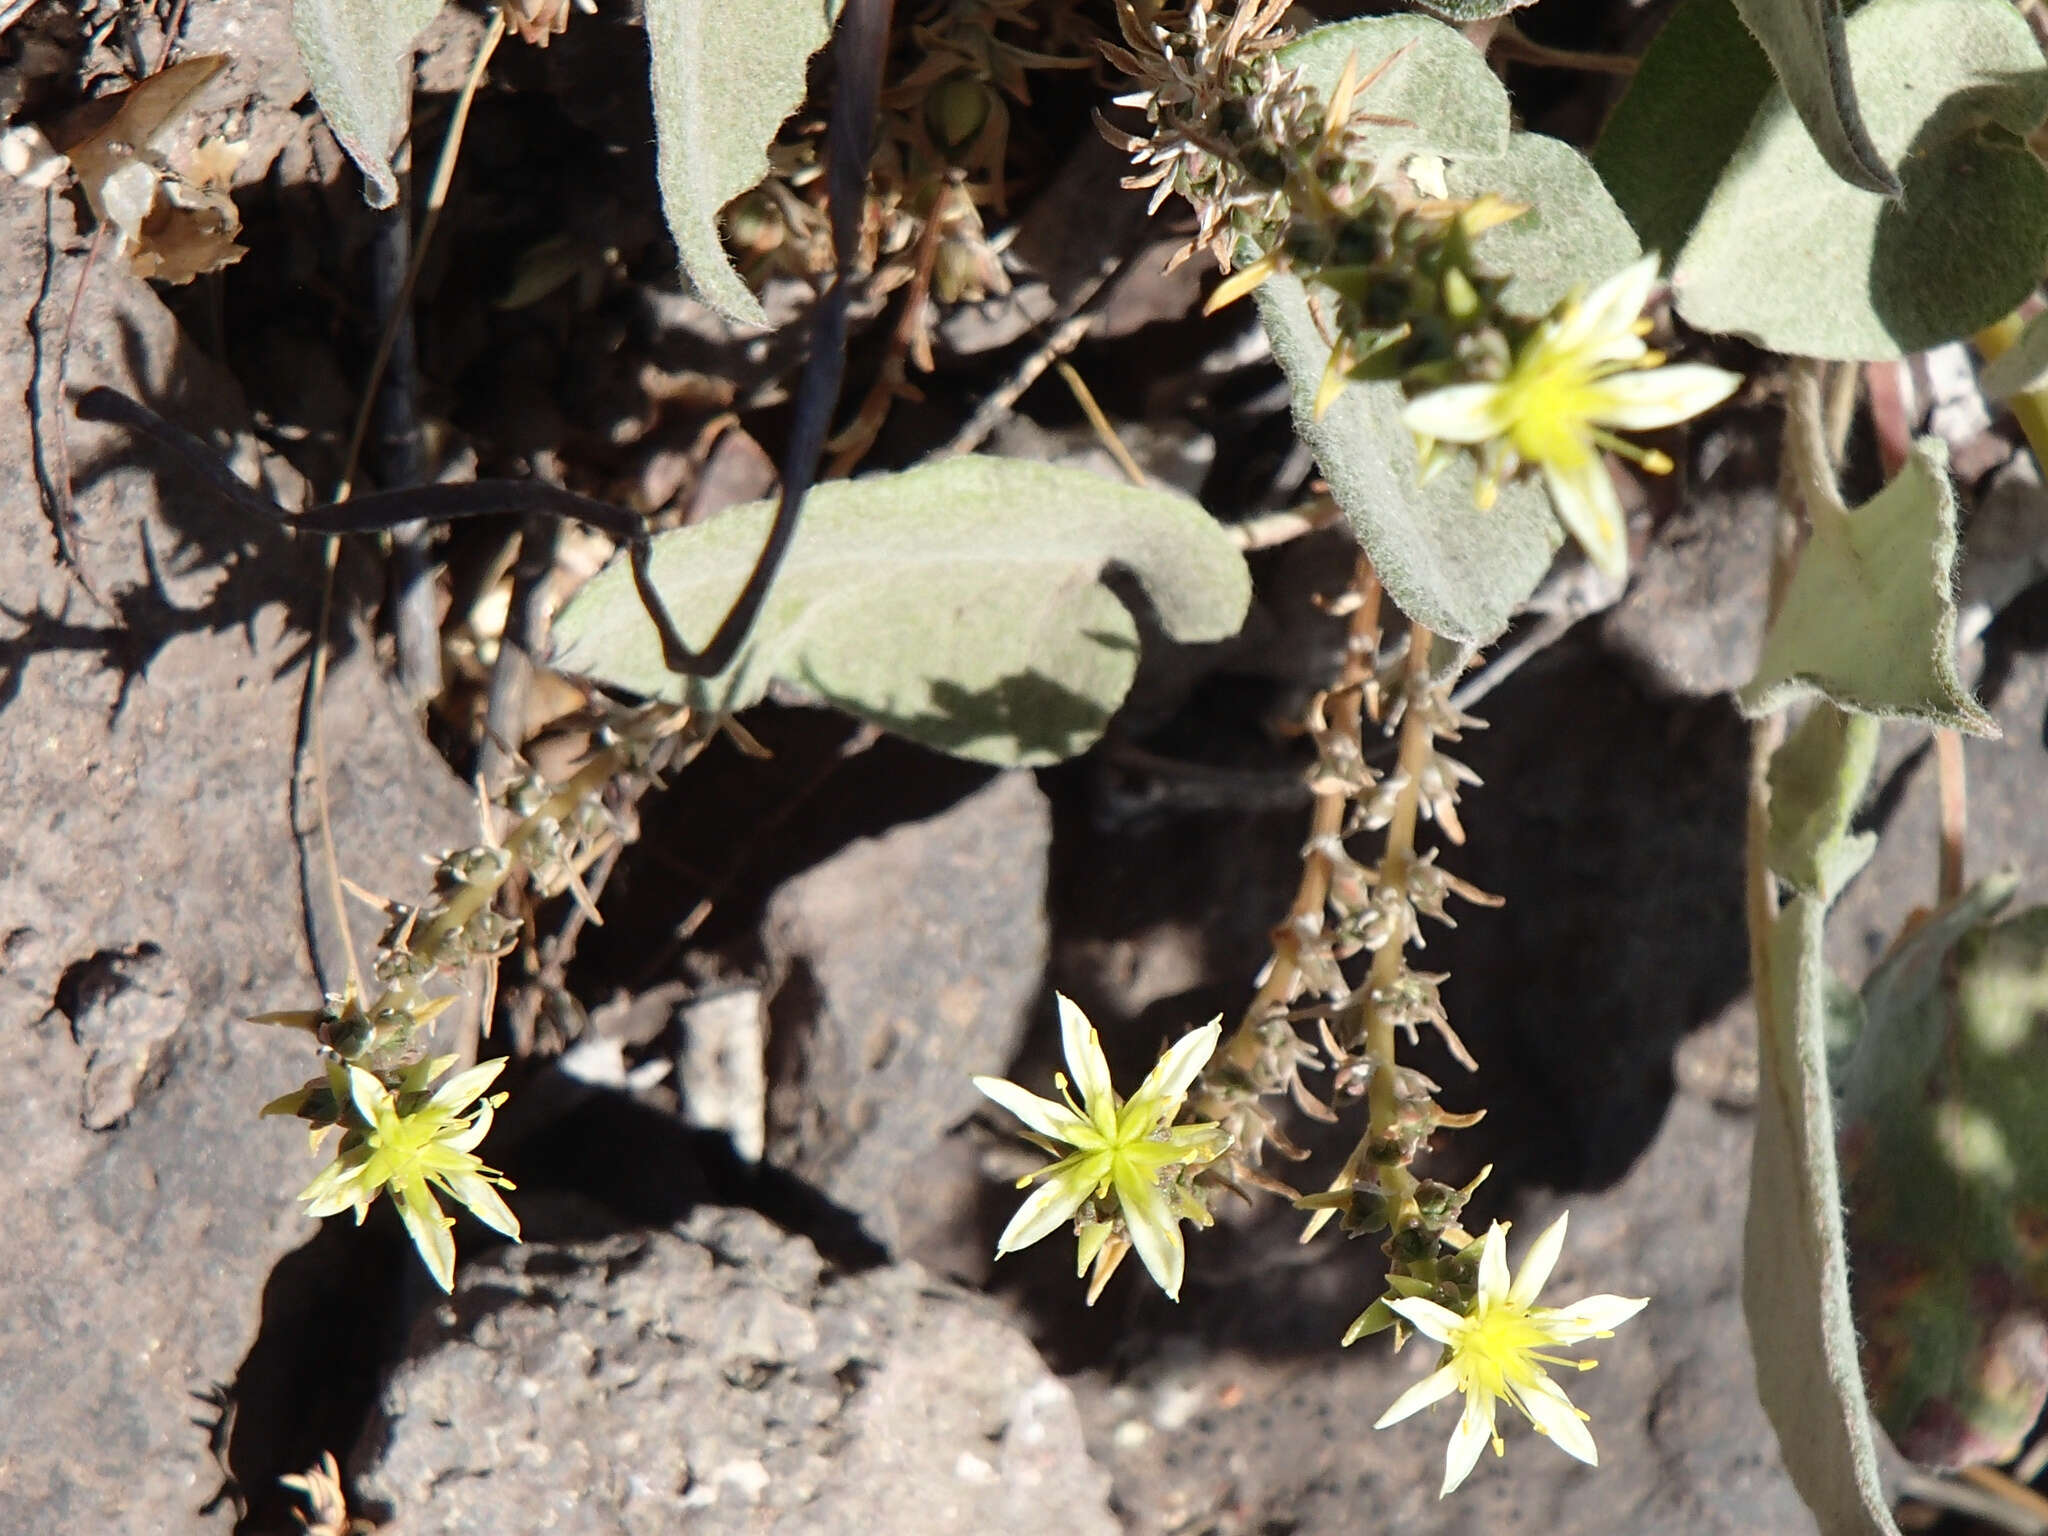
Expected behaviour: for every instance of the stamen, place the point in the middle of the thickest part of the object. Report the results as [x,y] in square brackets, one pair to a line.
[1653,461]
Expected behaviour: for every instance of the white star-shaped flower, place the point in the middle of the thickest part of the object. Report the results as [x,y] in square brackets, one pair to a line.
[1120,1160]
[1495,1353]
[1583,374]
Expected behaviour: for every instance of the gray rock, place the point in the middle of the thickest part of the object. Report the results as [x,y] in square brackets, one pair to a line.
[1692,620]
[149,901]
[717,1378]
[1243,1444]
[903,965]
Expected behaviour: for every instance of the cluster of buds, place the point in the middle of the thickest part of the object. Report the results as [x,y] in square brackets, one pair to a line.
[957,68]
[400,1132]
[1280,181]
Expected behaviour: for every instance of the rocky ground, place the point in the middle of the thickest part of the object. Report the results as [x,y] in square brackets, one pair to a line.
[759,1197]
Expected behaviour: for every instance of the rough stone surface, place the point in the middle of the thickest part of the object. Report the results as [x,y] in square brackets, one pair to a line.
[1247,1444]
[905,964]
[1692,619]
[149,899]
[717,1378]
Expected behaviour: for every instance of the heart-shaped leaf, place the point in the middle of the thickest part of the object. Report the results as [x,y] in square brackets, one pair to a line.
[358,56]
[1869,620]
[1788,254]
[723,84]
[960,604]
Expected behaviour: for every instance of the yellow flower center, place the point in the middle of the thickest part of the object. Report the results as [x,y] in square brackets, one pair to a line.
[1495,1353]
[1548,407]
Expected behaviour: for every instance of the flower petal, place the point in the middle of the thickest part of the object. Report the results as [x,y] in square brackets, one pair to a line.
[1475,1428]
[475,1191]
[1584,499]
[1457,413]
[1610,310]
[429,1230]
[1153,1227]
[1427,1318]
[1590,1318]
[1658,397]
[1083,1049]
[1433,1388]
[371,1096]
[1493,1265]
[467,1137]
[1552,1412]
[459,1090]
[1538,1262]
[1172,1075]
[1044,1211]
[1041,1115]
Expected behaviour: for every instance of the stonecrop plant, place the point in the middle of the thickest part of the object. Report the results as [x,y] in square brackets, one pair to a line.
[1488,336]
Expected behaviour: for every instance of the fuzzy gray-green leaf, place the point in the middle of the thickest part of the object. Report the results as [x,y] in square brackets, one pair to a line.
[358,56]
[1446,100]
[1795,1279]
[1573,235]
[1805,42]
[1791,256]
[1686,108]
[1869,620]
[723,84]
[960,604]
[1446,564]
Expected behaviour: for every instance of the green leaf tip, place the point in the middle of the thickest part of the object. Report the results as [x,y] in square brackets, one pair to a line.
[723,84]
[1869,620]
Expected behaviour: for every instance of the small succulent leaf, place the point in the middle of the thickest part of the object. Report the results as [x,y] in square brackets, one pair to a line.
[2021,367]
[1944,1148]
[1438,87]
[1817,780]
[1795,1282]
[960,604]
[1810,55]
[1574,234]
[1446,564]
[723,84]
[1687,107]
[1869,620]
[358,56]
[1790,255]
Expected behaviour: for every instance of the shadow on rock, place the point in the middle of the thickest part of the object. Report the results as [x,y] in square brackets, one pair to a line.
[588,1162]
[1620,856]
